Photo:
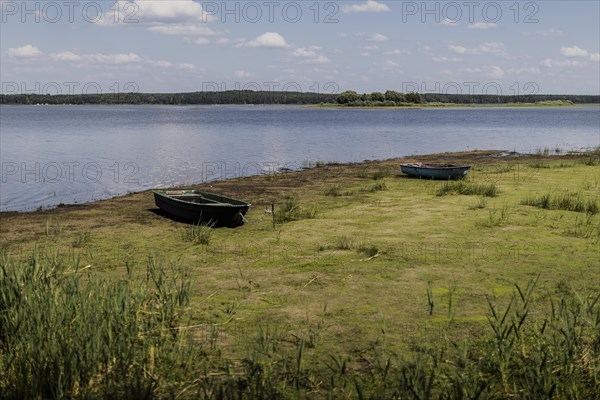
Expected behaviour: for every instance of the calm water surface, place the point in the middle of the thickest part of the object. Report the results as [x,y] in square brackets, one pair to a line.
[53,155]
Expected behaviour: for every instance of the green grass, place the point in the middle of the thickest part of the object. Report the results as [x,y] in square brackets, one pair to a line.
[386,294]
[128,339]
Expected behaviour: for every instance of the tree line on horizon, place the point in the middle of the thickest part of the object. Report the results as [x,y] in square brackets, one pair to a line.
[346,98]
[391,98]
[189,98]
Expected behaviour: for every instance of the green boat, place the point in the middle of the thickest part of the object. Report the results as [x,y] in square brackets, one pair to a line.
[202,207]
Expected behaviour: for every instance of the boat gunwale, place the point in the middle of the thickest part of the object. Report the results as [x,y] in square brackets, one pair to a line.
[434,167]
[164,194]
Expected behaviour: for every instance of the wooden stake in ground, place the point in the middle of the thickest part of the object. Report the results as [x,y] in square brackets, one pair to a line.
[273,214]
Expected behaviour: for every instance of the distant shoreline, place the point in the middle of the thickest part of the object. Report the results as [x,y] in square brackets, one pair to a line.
[469,156]
[327,106]
[458,105]
[247,97]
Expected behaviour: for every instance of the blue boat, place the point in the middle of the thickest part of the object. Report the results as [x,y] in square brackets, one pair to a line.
[435,171]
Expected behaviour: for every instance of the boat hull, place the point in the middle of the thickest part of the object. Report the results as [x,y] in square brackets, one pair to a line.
[202,207]
[444,172]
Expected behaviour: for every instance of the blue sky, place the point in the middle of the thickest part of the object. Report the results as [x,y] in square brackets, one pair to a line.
[505,47]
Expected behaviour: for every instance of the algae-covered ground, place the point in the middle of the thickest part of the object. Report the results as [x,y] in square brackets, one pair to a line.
[357,258]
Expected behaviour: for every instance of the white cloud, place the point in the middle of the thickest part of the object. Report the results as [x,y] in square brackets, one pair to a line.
[270,40]
[115,58]
[199,41]
[426,49]
[396,52]
[573,52]
[65,56]
[242,74]
[122,59]
[551,32]
[377,37]
[494,48]
[390,65]
[482,25]
[445,59]
[27,51]
[94,60]
[182,30]
[223,40]
[576,51]
[162,64]
[370,48]
[458,49]
[151,11]
[369,6]
[173,17]
[523,71]
[496,71]
[551,63]
[310,55]
[492,71]
[449,22]
[342,34]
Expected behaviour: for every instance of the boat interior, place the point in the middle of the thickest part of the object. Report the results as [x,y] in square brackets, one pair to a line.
[195,198]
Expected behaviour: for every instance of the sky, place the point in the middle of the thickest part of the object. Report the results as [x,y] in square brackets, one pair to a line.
[469,47]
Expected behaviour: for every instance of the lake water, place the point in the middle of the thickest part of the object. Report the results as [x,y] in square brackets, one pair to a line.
[75,154]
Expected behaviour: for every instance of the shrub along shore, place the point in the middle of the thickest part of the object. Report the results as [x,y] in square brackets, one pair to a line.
[363,284]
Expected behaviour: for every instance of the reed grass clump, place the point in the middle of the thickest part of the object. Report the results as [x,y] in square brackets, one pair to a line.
[67,333]
[199,233]
[375,187]
[53,229]
[344,242]
[591,161]
[539,165]
[468,188]
[497,217]
[371,250]
[81,240]
[379,174]
[292,210]
[568,201]
[586,226]
[333,190]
